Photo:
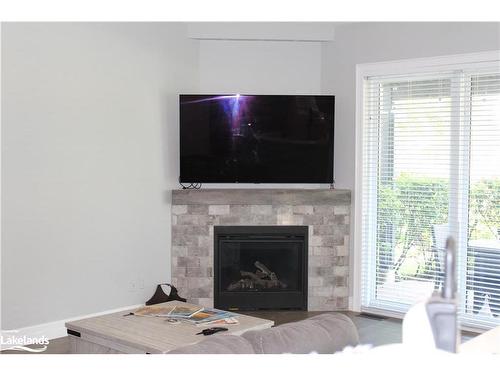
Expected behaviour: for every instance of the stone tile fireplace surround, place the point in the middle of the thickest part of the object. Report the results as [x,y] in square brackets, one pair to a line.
[326,213]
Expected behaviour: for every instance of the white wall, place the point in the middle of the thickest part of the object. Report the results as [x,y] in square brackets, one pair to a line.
[89,153]
[260,67]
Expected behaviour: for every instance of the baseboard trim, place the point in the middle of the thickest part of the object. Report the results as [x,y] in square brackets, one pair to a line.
[56,329]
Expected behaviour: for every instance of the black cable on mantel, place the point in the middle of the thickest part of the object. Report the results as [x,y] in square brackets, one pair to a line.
[195,185]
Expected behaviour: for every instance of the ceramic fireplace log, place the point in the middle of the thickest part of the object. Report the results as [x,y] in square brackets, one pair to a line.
[251,275]
[265,270]
[263,278]
[256,284]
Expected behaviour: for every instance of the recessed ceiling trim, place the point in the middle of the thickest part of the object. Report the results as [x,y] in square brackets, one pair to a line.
[263,31]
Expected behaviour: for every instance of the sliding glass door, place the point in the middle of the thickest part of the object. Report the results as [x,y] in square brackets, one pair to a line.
[431,146]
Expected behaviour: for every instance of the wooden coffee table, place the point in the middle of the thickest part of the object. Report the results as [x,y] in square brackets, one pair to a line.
[122,333]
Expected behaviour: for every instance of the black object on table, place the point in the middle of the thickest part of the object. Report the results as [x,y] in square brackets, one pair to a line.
[159,296]
[211,331]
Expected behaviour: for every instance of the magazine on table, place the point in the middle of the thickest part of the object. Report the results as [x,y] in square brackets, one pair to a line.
[154,311]
[208,315]
[227,321]
[193,314]
[184,312]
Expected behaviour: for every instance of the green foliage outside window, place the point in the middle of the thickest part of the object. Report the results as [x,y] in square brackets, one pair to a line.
[408,207]
[484,210]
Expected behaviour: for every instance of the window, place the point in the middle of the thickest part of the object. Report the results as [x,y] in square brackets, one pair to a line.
[430,167]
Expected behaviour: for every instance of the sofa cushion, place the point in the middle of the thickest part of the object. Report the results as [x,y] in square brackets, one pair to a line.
[218,344]
[325,333]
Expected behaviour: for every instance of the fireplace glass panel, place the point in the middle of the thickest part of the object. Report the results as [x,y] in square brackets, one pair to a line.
[250,266]
[260,267]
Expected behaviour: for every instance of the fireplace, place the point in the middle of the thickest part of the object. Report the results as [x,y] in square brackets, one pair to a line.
[260,267]
[326,213]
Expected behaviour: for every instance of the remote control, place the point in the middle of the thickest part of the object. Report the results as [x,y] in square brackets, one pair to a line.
[211,331]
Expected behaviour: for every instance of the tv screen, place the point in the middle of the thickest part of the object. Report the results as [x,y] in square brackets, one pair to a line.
[256,138]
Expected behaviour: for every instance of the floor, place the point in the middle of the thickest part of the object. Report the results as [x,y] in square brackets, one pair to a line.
[372,329]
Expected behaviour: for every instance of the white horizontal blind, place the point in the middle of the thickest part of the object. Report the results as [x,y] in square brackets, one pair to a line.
[430,159]
[482,282]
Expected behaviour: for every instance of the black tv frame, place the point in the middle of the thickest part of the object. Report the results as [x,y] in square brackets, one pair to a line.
[198,183]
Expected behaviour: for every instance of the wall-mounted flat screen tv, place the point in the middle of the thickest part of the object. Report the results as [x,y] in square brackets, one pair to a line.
[256,138]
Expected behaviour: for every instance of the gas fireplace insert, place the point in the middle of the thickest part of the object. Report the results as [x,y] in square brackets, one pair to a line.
[260,267]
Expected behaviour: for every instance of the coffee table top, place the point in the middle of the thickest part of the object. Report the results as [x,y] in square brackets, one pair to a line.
[153,334]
